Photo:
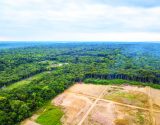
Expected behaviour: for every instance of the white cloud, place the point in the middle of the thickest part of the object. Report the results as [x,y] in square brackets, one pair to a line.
[119,37]
[27,18]
[2,38]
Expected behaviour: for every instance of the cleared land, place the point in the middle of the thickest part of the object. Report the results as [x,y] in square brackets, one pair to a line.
[26,81]
[34,77]
[87,104]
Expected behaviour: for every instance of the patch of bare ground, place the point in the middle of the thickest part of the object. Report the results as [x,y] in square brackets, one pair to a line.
[135,88]
[155,95]
[87,104]
[29,122]
[102,114]
[131,116]
[111,114]
[74,107]
[128,95]
[34,117]
[87,89]
[157,118]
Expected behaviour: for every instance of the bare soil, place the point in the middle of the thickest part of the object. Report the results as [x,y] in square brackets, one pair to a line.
[87,104]
[155,95]
[130,95]
[102,114]
[74,107]
[157,118]
[29,122]
[87,89]
[112,114]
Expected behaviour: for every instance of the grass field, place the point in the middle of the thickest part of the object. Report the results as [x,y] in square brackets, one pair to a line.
[25,81]
[35,77]
[50,116]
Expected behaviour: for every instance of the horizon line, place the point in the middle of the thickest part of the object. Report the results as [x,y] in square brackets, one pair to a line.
[71,41]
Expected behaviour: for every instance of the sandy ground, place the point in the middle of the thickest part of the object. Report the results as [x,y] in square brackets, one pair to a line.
[157,118]
[29,122]
[155,94]
[74,107]
[103,113]
[134,88]
[87,89]
[112,114]
[85,104]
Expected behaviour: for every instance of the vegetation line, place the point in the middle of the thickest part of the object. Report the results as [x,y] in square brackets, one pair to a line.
[25,81]
[119,82]
[118,103]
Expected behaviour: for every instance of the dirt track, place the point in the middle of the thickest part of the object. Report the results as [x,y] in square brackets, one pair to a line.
[92,106]
[99,97]
[85,104]
[121,104]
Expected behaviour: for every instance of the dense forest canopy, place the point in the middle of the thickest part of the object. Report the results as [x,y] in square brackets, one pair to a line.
[64,64]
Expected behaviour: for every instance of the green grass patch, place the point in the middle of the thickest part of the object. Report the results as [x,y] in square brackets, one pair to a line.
[131,98]
[50,116]
[25,81]
[119,95]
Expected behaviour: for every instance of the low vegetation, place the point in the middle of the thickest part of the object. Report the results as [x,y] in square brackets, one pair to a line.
[120,82]
[25,81]
[133,98]
[50,116]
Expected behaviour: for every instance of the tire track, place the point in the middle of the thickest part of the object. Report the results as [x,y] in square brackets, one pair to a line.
[92,106]
[151,105]
[108,101]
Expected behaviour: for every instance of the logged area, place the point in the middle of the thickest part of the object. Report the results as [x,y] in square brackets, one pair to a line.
[88,104]
[115,77]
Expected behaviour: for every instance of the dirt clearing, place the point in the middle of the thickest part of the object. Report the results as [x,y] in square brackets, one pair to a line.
[88,104]
[155,95]
[74,107]
[113,114]
[87,89]
[128,95]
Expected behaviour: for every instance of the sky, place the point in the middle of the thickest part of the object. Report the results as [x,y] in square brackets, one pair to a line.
[80,20]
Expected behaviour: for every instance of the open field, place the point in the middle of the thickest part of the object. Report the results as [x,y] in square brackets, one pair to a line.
[34,77]
[26,81]
[88,104]
[46,118]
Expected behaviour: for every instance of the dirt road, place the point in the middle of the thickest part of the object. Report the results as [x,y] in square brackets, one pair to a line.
[92,106]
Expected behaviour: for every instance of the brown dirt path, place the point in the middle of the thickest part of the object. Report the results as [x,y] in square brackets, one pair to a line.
[151,105]
[118,103]
[92,106]
[96,96]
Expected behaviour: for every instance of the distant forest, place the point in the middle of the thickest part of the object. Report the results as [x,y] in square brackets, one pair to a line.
[65,64]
